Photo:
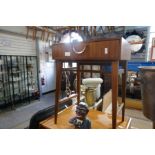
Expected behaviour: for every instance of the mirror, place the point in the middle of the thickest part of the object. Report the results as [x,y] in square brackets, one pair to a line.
[136,42]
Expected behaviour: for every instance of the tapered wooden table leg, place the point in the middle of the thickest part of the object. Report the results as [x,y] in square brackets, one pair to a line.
[115,65]
[78,82]
[124,75]
[58,87]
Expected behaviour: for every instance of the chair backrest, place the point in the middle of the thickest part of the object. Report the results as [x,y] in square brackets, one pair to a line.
[45,113]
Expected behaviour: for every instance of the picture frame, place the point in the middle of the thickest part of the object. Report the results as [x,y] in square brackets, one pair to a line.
[153,53]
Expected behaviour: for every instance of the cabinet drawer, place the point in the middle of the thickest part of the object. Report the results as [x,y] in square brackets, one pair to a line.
[99,50]
[105,50]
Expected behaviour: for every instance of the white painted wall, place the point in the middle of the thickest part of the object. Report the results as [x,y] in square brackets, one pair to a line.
[47,67]
[49,75]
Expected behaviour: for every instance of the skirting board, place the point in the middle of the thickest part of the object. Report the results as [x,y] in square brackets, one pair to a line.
[51,91]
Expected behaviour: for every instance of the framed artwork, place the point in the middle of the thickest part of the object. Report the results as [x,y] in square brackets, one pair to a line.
[153,53]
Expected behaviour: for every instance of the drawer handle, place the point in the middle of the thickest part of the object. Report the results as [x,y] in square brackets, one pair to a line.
[105,50]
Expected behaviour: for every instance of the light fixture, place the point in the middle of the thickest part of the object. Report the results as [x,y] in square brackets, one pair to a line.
[70,37]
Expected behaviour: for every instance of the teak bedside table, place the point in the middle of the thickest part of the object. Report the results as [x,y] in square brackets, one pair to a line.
[95,52]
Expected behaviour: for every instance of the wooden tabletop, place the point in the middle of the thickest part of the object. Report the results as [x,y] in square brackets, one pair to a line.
[99,120]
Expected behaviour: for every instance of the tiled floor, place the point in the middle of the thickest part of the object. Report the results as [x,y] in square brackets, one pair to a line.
[20,117]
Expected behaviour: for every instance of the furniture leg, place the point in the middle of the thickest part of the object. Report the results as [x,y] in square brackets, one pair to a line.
[114,92]
[124,75]
[78,83]
[58,87]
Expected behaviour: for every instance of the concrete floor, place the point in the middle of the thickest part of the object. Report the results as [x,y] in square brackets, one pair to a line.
[139,121]
[20,117]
